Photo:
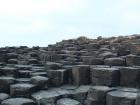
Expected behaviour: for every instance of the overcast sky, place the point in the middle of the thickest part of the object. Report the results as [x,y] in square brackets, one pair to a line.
[42,22]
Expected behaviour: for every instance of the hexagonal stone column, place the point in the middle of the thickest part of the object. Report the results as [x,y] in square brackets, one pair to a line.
[81,75]
[132,60]
[40,82]
[80,93]
[46,97]
[105,76]
[121,98]
[130,76]
[58,77]
[21,90]
[97,95]
[5,83]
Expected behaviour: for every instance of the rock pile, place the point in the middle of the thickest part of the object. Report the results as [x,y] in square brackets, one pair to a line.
[82,71]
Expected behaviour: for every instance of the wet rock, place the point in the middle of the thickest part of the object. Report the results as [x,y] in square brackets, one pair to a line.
[80,75]
[18,101]
[67,101]
[105,76]
[121,98]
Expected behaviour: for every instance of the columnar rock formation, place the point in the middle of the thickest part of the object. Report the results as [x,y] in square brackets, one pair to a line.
[82,71]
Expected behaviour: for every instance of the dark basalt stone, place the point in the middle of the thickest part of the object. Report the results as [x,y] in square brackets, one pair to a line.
[137,99]
[58,77]
[5,83]
[114,61]
[53,66]
[121,98]
[22,90]
[82,71]
[97,95]
[10,71]
[3,96]
[67,101]
[38,73]
[24,73]
[33,61]
[130,77]
[81,75]
[45,97]
[89,60]
[13,61]
[40,82]
[107,55]
[80,93]
[105,76]
[23,80]
[18,101]
[133,60]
